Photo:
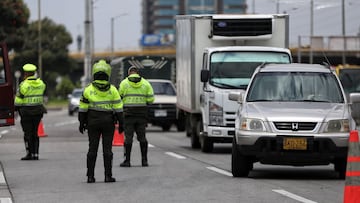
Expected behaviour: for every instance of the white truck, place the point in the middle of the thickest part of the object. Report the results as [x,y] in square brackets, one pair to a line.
[217,55]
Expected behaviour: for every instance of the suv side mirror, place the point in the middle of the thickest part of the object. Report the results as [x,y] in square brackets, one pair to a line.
[355,107]
[205,75]
[236,97]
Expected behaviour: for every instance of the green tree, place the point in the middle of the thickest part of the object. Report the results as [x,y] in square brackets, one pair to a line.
[64,87]
[55,40]
[14,14]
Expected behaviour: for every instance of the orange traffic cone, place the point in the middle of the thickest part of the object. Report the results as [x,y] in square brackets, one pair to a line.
[352,181]
[41,132]
[118,139]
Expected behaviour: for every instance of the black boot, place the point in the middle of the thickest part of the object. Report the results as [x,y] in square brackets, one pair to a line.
[90,163]
[108,168]
[91,179]
[144,149]
[126,163]
[27,157]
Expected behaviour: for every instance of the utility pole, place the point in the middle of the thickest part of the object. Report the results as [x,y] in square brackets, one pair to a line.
[88,42]
[343,32]
[39,40]
[311,30]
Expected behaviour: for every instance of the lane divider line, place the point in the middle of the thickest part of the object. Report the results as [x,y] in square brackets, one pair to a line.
[293,196]
[5,200]
[178,156]
[221,171]
[2,179]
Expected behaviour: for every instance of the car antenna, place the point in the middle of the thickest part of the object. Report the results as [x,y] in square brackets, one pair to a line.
[327,63]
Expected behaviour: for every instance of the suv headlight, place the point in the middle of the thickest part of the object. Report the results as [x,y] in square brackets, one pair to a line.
[215,114]
[252,124]
[337,126]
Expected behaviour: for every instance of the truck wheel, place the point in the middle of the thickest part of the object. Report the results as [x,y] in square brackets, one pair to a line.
[240,165]
[340,167]
[181,122]
[195,141]
[206,144]
[188,127]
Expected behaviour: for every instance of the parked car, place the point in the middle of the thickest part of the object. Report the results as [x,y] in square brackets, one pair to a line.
[74,100]
[163,112]
[291,114]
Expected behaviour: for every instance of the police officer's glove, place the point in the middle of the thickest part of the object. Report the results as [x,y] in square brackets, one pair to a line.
[120,119]
[82,128]
[82,116]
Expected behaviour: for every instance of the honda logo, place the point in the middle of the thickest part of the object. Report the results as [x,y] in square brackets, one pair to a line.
[294,126]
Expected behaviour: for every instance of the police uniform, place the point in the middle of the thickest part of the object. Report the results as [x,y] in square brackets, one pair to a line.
[100,108]
[136,92]
[29,103]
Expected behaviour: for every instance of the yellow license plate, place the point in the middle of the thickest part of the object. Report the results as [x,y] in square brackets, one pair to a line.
[294,143]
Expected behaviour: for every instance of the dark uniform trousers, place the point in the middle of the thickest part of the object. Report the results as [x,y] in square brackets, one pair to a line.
[135,124]
[30,126]
[95,131]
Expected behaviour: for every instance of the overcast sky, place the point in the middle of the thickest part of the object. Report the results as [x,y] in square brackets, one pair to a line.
[127,29]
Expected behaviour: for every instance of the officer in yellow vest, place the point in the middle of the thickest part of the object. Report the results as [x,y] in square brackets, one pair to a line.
[136,92]
[100,108]
[29,103]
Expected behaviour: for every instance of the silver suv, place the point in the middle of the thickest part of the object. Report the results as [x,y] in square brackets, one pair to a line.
[291,114]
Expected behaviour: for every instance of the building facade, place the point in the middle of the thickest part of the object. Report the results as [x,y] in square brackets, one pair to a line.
[158,22]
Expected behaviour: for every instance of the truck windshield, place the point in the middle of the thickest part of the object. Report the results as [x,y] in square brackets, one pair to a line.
[295,87]
[233,70]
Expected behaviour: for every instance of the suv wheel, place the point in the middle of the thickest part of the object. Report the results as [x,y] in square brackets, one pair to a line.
[340,167]
[240,165]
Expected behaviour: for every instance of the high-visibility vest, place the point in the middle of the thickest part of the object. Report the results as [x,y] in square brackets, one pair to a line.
[30,92]
[94,99]
[136,94]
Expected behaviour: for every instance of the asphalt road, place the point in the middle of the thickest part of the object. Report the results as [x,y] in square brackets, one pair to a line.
[177,173]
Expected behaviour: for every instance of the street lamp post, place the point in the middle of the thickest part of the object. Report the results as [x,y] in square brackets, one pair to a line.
[311,30]
[112,32]
[39,40]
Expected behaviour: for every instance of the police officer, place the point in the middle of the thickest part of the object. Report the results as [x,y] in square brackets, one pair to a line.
[136,92]
[100,108]
[29,103]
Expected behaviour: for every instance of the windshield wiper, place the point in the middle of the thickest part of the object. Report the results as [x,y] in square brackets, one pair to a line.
[227,85]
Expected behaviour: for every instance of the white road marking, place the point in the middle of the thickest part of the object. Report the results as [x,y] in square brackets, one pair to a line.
[150,145]
[218,170]
[66,123]
[2,178]
[175,155]
[293,196]
[4,132]
[5,200]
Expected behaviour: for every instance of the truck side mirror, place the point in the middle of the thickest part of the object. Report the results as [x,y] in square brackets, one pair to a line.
[355,107]
[205,75]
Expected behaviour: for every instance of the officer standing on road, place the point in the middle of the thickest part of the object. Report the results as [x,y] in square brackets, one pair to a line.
[136,93]
[29,101]
[100,108]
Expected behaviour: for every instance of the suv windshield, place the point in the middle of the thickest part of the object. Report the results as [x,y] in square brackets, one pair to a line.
[234,69]
[163,88]
[295,86]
